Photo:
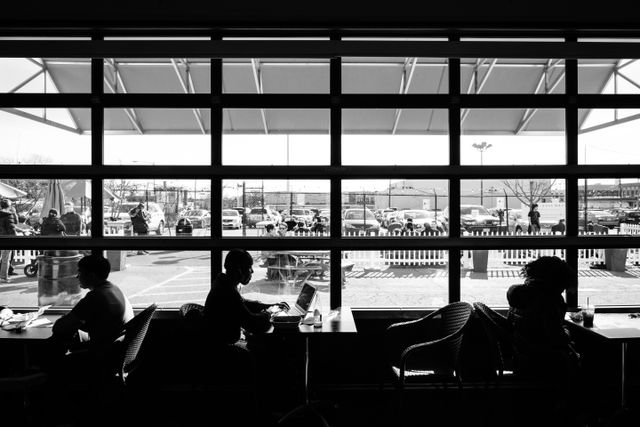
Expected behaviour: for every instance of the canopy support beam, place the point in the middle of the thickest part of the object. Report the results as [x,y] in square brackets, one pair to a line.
[257,78]
[479,86]
[42,120]
[196,112]
[405,82]
[130,112]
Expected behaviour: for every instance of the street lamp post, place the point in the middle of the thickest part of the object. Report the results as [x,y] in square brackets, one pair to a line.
[482,147]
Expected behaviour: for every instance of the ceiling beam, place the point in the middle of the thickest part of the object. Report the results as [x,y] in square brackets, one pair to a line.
[42,120]
[56,86]
[26,81]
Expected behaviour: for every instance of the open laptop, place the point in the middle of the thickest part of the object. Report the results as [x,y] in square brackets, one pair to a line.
[305,298]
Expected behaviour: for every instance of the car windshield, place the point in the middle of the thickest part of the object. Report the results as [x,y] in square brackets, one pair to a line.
[258,211]
[193,213]
[416,214]
[358,214]
[230,212]
[469,210]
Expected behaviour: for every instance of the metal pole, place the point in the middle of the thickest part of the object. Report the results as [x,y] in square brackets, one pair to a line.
[244,214]
[481,182]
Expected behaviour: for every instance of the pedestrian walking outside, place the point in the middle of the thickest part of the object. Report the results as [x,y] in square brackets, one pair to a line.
[7,228]
[140,219]
[534,219]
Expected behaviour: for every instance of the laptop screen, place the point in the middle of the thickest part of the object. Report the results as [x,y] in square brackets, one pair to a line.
[306,297]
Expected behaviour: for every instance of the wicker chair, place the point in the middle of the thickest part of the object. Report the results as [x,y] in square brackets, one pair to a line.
[22,386]
[501,339]
[133,333]
[418,351]
[186,308]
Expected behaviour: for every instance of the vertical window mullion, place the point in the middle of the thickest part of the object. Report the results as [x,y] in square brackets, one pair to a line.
[216,160]
[97,143]
[571,202]
[335,89]
[454,180]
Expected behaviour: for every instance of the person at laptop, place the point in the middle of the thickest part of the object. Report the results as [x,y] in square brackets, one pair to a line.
[226,312]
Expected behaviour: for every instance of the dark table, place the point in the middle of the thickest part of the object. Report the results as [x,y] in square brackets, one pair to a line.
[617,328]
[336,322]
[30,335]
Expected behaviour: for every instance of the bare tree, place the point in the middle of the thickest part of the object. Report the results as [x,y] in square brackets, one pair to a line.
[121,188]
[530,191]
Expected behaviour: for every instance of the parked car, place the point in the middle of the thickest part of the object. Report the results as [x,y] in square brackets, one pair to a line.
[118,215]
[199,218]
[259,214]
[388,215]
[632,216]
[298,214]
[422,219]
[356,220]
[475,218]
[231,218]
[606,218]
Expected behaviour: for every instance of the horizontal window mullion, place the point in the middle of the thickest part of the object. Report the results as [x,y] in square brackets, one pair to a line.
[312,49]
[608,101]
[315,172]
[368,243]
[513,101]
[364,101]
[49,100]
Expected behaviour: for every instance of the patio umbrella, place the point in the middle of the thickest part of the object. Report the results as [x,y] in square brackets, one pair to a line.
[80,190]
[9,192]
[54,199]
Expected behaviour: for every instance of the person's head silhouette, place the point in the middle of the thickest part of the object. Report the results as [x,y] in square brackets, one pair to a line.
[93,270]
[237,265]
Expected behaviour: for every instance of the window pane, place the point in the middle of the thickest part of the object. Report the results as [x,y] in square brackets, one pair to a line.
[45,136]
[526,136]
[395,137]
[512,75]
[502,207]
[395,278]
[486,275]
[45,75]
[33,199]
[279,276]
[171,207]
[275,137]
[609,276]
[276,208]
[395,75]
[272,75]
[169,278]
[153,136]
[608,136]
[608,76]
[409,208]
[611,206]
[157,75]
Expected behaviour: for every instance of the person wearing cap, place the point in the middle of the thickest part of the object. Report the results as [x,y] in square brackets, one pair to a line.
[51,225]
[71,220]
[226,311]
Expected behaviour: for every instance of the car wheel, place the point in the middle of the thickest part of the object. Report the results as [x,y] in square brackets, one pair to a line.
[160,230]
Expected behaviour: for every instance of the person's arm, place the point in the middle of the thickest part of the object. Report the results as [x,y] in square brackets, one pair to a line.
[252,322]
[255,306]
[67,326]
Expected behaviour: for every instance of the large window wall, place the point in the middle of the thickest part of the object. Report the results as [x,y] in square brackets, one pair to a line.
[420,158]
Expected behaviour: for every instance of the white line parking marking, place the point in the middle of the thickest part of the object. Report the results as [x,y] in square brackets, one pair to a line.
[188,271]
[170,293]
[187,286]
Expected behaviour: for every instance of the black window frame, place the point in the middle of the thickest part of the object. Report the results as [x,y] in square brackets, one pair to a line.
[216,49]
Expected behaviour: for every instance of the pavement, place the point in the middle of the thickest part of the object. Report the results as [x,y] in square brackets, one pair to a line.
[171,278]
